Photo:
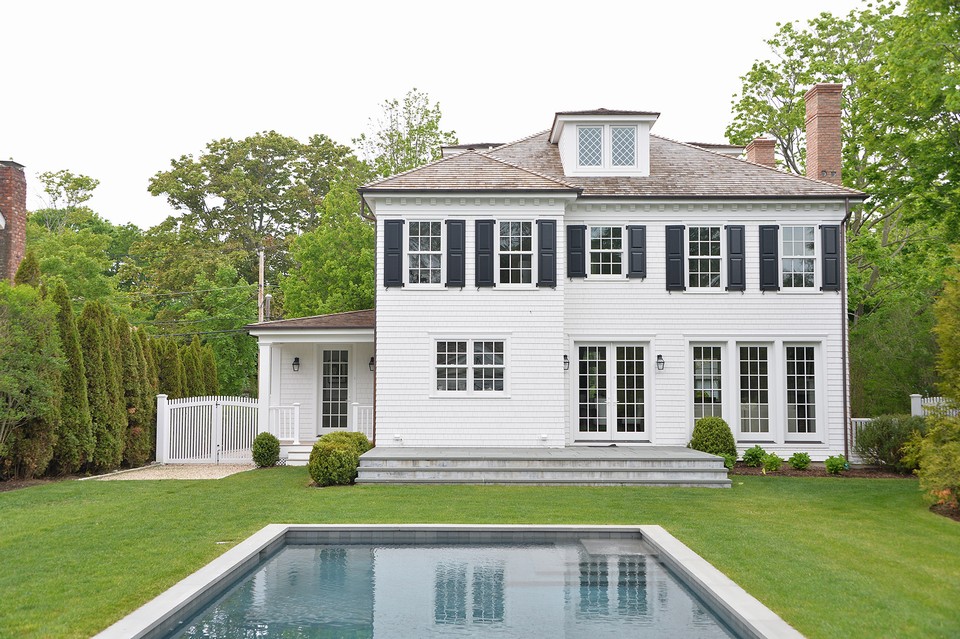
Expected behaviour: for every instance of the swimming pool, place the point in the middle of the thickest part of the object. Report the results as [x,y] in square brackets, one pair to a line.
[455,581]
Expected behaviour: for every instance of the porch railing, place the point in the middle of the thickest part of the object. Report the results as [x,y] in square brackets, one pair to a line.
[363,419]
[285,423]
[920,405]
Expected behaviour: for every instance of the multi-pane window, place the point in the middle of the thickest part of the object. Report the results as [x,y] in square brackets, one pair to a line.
[481,361]
[593,389]
[623,145]
[706,382]
[801,390]
[754,390]
[704,257]
[516,252]
[590,145]
[606,250]
[334,389]
[799,257]
[630,389]
[424,252]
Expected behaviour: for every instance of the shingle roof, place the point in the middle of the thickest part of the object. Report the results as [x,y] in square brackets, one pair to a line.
[350,319]
[602,111]
[470,171]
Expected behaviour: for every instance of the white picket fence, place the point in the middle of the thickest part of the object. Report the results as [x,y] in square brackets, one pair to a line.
[922,405]
[206,430]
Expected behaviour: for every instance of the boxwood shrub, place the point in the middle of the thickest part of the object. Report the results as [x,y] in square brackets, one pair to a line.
[333,463]
[266,450]
[358,441]
[713,435]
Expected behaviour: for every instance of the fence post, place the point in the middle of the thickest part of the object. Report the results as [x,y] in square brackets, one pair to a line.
[216,431]
[296,423]
[916,409]
[163,426]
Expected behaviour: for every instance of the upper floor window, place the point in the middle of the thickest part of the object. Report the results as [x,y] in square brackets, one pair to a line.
[623,145]
[424,253]
[516,252]
[704,257]
[590,145]
[798,262]
[606,250]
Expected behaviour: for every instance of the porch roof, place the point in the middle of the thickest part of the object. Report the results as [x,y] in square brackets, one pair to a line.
[334,321]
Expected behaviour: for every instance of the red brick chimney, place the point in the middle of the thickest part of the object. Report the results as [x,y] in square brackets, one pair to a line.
[823,132]
[13,210]
[761,151]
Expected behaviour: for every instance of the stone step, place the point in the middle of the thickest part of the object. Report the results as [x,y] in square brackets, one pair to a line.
[482,473]
[704,482]
[474,462]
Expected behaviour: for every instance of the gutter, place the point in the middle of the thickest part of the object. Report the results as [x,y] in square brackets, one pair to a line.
[844,330]
[373,218]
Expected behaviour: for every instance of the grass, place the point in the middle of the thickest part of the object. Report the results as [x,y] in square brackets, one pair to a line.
[834,557]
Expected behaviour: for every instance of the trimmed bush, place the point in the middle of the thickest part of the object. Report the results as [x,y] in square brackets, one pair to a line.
[754,456]
[358,441]
[799,461]
[266,450]
[771,463]
[712,435]
[881,441]
[836,464]
[333,463]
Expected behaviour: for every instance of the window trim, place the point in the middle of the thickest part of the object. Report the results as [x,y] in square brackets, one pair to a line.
[724,367]
[435,393]
[590,251]
[772,395]
[816,257]
[407,253]
[534,254]
[819,389]
[721,287]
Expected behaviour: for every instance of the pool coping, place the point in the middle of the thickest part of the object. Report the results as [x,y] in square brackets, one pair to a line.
[744,612]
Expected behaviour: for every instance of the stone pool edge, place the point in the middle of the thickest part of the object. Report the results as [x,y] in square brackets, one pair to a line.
[744,612]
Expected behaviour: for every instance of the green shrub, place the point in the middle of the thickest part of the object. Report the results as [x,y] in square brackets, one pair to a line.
[358,441]
[836,464]
[881,441]
[266,450]
[754,456]
[799,461]
[729,461]
[771,463]
[938,453]
[712,435]
[333,463]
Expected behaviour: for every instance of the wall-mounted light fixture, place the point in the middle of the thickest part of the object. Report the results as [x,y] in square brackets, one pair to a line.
[660,362]
[372,364]
[566,363]
[296,364]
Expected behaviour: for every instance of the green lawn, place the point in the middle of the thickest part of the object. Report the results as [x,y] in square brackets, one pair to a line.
[834,557]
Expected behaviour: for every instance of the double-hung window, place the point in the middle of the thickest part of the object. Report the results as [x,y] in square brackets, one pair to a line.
[799,259]
[606,250]
[470,366]
[516,252]
[424,253]
[703,257]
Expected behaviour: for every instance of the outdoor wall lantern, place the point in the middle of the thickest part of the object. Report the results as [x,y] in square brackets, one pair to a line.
[660,362]
[296,364]
[566,363]
[372,364]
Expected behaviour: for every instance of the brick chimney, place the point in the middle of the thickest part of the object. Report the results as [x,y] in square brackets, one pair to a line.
[13,210]
[823,132]
[761,151]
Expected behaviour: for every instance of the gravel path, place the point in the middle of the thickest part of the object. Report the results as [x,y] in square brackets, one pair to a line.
[179,471]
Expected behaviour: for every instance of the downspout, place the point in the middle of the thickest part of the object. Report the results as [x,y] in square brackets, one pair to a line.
[844,329]
[372,218]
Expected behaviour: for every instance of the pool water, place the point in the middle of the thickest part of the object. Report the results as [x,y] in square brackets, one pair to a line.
[592,588]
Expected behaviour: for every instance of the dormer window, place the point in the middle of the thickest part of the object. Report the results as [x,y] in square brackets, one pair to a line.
[604,143]
[623,145]
[590,140]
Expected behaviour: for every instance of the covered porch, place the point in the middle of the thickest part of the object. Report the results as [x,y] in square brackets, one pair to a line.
[315,377]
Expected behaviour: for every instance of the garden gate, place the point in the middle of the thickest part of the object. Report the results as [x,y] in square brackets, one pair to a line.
[206,430]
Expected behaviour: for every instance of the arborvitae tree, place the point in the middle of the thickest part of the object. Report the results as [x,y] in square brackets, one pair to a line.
[192,356]
[170,368]
[113,369]
[29,270]
[91,343]
[136,449]
[147,401]
[210,371]
[75,440]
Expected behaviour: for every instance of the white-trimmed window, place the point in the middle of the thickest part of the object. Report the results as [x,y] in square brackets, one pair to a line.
[707,382]
[424,253]
[801,390]
[334,386]
[623,145]
[703,257]
[590,145]
[516,252]
[606,250]
[754,391]
[799,258]
[472,366]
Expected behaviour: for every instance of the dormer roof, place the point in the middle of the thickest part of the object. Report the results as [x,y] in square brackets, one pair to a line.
[593,115]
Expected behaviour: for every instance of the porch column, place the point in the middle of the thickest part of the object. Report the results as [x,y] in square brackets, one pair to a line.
[263,393]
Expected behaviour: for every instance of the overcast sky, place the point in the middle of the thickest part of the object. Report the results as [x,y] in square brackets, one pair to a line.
[115,90]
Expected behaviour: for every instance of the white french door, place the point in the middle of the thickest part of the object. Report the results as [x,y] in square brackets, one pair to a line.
[334,413]
[611,393]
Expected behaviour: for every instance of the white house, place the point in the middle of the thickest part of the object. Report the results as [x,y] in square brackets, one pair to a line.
[590,284]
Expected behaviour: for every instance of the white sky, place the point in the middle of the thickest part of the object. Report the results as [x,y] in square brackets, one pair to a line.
[115,90]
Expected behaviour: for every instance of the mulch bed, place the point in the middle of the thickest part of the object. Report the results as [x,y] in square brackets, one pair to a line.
[16,484]
[817,470]
[946,510]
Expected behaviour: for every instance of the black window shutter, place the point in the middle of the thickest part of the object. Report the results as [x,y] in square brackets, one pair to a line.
[736,259]
[547,253]
[456,252]
[831,257]
[637,251]
[769,257]
[576,251]
[484,253]
[675,258]
[392,253]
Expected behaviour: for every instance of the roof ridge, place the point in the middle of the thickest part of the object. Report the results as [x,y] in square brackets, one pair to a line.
[765,166]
